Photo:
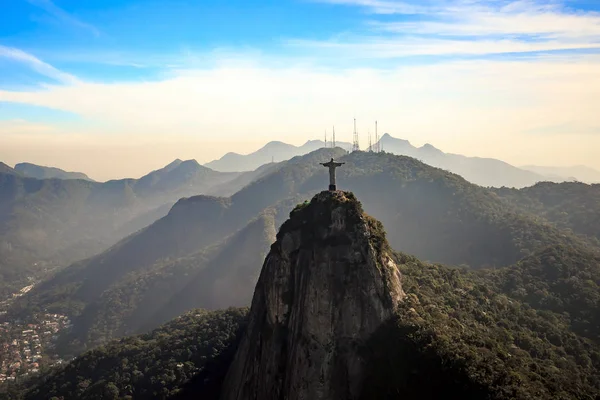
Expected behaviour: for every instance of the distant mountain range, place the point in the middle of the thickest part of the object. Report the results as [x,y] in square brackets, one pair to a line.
[481,171]
[40,172]
[272,151]
[210,241]
[577,172]
[50,223]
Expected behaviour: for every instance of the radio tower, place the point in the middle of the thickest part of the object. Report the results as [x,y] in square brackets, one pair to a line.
[325,138]
[370,142]
[377,144]
[334,136]
[355,145]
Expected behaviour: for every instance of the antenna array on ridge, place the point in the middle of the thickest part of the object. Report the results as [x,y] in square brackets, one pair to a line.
[333,137]
[355,145]
[377,144]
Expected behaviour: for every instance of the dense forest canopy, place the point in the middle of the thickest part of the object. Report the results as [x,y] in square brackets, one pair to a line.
[457,332]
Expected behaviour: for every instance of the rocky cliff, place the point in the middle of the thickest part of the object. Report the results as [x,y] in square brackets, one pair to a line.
[327,284]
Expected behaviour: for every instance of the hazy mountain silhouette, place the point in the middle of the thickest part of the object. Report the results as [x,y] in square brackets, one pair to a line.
[41,172]
[5,169]
[212,277]
[50,223]
[272,151]
[481,171]
[577,172]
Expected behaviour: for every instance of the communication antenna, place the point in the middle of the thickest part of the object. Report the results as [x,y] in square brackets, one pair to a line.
[325,138]
[334,136]
[370,143]
[377,144]
[355,145]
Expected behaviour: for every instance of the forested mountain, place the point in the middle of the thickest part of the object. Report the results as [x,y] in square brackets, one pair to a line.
[116,294]
[463,223]
[191,352]
[527,331]
[41,172]
[481,171]
[572,206]
[272,151]
[49,223]
[428,212]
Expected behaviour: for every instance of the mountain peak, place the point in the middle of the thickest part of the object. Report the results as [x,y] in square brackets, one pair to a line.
[5,169]
[327,284]
[276,144]
[430,149]
[42,172]
[190,163]
[390,139]
[173,164]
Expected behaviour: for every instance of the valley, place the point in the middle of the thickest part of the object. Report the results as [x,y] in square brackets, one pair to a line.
[205,252]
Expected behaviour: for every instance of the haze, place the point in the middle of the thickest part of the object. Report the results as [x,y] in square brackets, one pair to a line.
[117,88]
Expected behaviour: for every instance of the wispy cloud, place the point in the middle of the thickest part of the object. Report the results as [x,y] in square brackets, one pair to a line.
[516,18]
[37,65]
[465,27]
[374,47]
[63,16]
[384,6]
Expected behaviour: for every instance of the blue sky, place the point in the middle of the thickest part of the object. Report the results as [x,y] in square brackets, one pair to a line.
[104,71]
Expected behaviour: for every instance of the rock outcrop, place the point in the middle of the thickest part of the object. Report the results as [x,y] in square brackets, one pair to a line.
[327,284]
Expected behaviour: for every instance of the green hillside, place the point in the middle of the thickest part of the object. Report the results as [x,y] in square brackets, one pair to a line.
[47,224]
[192,350]
[115,294]
[462,223]
[458,334]
[572,206]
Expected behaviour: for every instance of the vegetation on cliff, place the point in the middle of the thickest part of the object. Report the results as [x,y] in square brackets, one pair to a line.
[489,335]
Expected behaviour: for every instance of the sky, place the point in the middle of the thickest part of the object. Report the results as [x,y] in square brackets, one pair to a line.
[116,88]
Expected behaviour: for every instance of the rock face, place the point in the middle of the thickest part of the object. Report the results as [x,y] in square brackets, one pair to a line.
[327,284]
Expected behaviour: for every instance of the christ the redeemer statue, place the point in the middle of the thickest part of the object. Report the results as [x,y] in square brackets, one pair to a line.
[332,165]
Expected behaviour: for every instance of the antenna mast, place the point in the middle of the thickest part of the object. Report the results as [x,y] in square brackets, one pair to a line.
[334,136]
[325,138]
[377,144]
[355,145]
[370,143]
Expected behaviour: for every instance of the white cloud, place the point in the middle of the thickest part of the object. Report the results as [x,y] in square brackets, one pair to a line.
[478,107]
[259,100]
[517,18]
[384,6]
[365,48]
[36,64]
[20,126]
[63,16]
[464,27]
